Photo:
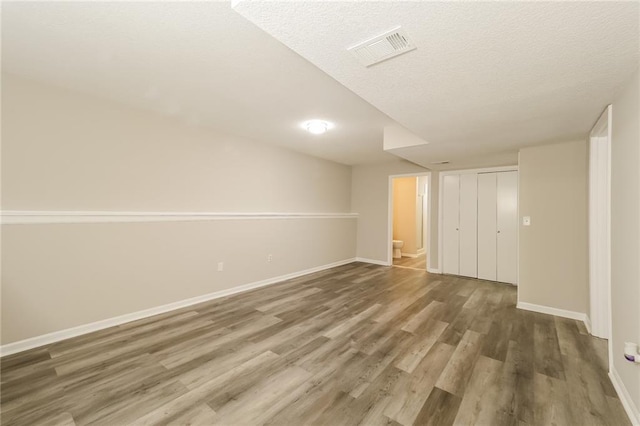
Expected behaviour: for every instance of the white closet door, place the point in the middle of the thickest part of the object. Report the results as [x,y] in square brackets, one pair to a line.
[507,206]
[450,212]
[468,225]
[487,226]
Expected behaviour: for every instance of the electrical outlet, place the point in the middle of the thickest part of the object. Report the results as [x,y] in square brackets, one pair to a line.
[269,257]
[220,266]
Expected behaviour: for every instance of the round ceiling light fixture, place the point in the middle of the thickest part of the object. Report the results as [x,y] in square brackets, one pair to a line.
[317,127]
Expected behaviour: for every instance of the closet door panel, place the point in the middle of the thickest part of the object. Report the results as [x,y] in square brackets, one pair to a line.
[507,220]
[450,212]
[487,226]
[468,225]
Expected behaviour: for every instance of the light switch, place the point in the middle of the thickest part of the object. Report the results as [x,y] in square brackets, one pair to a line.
[526,220]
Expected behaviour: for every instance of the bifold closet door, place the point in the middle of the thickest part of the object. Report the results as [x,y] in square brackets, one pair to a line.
[487,226]
[450,218]
[468,226]
[507,222]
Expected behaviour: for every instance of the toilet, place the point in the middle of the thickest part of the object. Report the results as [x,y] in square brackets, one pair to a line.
[397,248]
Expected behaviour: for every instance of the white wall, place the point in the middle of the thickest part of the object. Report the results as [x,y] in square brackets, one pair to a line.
[70,152]
[396,136]
[553,251]
[625,235]
[370,199]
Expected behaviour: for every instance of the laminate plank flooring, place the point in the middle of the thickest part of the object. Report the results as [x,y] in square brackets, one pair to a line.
[419,262]
[356,344]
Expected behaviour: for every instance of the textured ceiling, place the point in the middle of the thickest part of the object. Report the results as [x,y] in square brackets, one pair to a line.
[197,62]
[486,78]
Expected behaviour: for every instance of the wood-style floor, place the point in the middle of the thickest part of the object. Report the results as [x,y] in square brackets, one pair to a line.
[419,262]
[357,344]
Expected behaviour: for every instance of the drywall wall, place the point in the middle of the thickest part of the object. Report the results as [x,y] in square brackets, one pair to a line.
[64,151]
[625,234]
[404,213]
[70,152]
[396,136]
[553,251]
[370,199]
[57,276]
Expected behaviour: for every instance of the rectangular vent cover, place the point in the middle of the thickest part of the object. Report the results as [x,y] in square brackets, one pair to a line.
[383,47]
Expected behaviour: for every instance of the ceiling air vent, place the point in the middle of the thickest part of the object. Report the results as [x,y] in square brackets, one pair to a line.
[383,47]
[439,163]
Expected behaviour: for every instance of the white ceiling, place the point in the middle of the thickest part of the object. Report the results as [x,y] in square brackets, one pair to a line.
[487,77]
[198,62]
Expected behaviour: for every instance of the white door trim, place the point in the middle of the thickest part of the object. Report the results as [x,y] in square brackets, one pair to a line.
[600,227]
[390,215]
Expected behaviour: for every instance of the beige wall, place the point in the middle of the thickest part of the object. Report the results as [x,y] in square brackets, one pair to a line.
[553,251]
[370,199]
[66,151]
[404,213]
[58,276]
[625,232]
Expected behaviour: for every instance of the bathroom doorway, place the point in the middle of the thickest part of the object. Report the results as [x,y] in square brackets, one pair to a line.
[409,202]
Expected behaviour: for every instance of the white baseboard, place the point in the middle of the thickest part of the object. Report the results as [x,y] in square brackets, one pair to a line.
[627,402]
[411,255]
[587,323]
[433,270]
[373,261]
[552,311]
[56,336]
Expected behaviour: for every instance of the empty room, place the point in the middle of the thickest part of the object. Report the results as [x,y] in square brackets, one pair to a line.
[320,213]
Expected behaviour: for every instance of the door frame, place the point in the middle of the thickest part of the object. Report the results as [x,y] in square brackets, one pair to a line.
[599,318]
[441,204]
[390,216]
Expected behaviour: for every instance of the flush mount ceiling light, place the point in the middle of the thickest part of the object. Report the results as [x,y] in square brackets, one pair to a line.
[317,127]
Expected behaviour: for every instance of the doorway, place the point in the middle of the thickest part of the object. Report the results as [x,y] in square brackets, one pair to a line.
[409,220]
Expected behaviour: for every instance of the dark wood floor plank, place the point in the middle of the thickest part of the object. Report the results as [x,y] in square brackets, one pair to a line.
[439,409]
[518,370]
[419,347]
[547,356]
[408,398]
[551,405]
[478,405]
[456,374]
[356,344]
